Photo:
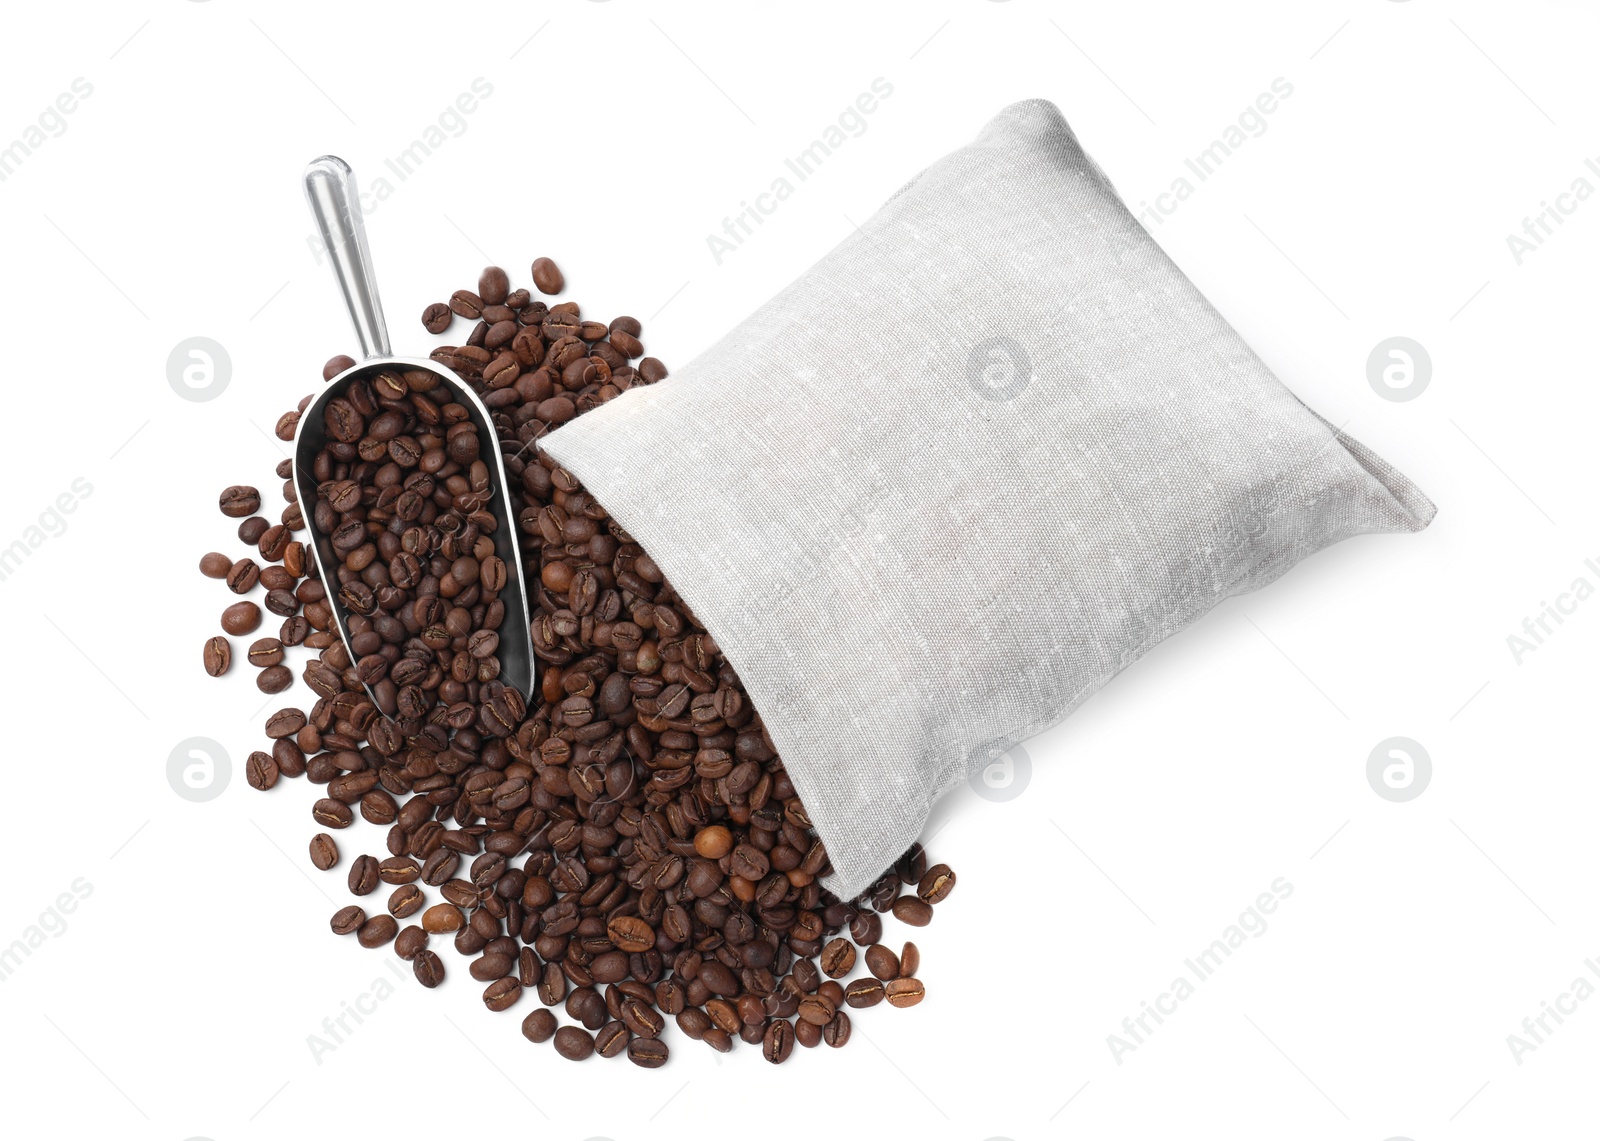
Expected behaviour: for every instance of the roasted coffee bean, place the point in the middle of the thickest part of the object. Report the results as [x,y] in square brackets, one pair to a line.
[332,813]
[911,866]
[243,576]
[630,933]
[218,656]
[442,918]
[363,877]
[936,884]
[274,679]
[573,1043]
[239,501]
[285,723]
[436,318]
[324,851]
[837,958]
[649,1053]
[405,901]
[547,277]
[215,564]
[611,1039]
[428,968]
[625,840]
[265,652]
[261,770]
[336,365]
[910,960]
[241,618]
[909,909]
[863,992]
[903,992]
[778,1041]
[502,994]
[882,962]
[410,941]
[377,931]
[347,920]
[539,1026]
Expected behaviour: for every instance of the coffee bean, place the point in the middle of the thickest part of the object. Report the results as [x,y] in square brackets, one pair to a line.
[347,920]
[274,679]
[778,1041]
[467,304]
[363,877]
[816,1009]
[494,285]
[630,933]
[573,1044]
[428,968]
[837,958]
[882,962]
[265,652]
[539,1026]
[649,1053]
[936,884]
[218,656]
[332,813]
[502,994]
[261,770]
[405,901]
[285,723]
[912,864]
[336,365]
[251,530]
[903,992]
[611,1039]
[243,576]
[547,277]
[377,931]
[625,841]
[436,318]
[441,919]
[410,941]
[324,851]
[239,500]
[241,618]
[215,564]
[910,960]
[863,992]
[909,909]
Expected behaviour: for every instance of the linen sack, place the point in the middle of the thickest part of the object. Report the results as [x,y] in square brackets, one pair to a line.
[971,464]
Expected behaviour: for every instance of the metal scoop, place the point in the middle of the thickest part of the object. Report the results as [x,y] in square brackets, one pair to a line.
[331,191]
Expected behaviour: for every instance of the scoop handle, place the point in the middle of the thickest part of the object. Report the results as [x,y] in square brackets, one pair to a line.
[336,206]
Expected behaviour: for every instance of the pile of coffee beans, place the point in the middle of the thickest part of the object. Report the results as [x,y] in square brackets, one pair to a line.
[624,844]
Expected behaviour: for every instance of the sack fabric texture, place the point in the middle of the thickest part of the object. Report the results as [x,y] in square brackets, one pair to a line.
[966,468]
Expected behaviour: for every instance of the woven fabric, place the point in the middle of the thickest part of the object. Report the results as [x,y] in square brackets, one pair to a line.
[950,481]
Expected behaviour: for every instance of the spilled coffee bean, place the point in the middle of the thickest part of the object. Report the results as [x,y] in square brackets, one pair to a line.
[623,845]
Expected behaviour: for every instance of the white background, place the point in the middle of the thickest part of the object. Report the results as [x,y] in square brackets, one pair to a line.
[179,996]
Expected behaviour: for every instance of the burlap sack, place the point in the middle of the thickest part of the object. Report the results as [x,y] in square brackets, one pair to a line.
[978,459]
